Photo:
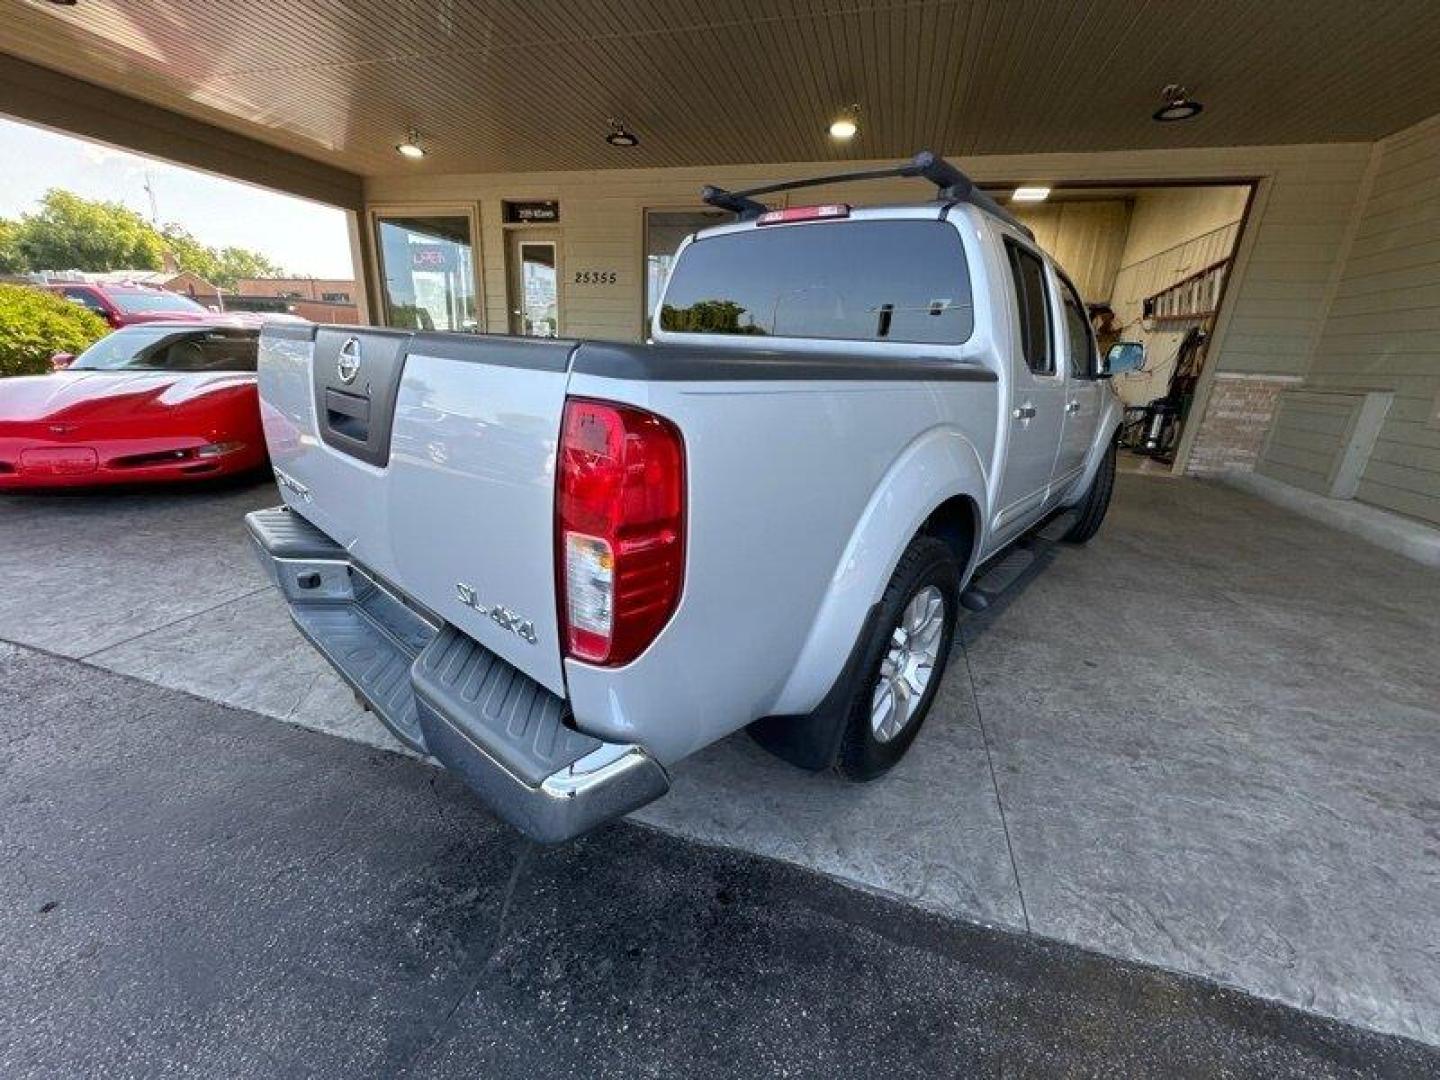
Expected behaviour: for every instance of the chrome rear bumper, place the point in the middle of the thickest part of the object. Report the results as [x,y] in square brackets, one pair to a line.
[444,694]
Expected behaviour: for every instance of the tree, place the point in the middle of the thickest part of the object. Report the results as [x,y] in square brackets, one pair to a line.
[234,263]
[71,233]
[35,323]
[219,266]
[11,261]
[189,253]
[707,317]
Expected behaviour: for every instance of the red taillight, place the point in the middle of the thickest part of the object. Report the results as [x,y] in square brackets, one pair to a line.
[619,530]
[804,213]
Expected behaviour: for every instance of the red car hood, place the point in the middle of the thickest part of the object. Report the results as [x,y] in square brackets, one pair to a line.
[75,396]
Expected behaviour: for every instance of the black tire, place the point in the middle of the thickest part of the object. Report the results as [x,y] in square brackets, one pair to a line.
[926,562]
[1097,500]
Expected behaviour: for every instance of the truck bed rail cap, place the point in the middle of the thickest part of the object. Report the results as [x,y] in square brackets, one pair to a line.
[289,331]
[676,363]
[502,350]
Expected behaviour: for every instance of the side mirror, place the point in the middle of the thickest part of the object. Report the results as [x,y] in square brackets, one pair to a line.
[1123,356]
[61,360]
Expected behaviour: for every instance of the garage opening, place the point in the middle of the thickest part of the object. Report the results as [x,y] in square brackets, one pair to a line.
[1152,263]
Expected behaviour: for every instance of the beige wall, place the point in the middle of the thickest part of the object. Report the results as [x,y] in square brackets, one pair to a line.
[1165,218]
[1086,238]
[1382,331]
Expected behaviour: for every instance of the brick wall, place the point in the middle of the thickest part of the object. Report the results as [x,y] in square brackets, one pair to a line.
[1236,421]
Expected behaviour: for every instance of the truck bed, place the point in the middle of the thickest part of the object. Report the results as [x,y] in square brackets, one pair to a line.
[434,469]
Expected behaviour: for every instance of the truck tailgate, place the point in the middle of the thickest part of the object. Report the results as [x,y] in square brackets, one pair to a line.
[431,459]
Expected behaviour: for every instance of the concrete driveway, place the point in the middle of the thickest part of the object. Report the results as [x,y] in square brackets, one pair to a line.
[1208,741]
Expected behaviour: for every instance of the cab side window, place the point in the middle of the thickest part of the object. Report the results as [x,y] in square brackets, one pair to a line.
[1032,300]
[85,298]
[1079,343]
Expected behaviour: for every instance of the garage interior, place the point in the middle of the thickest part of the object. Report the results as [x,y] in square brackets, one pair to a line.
[1222,759]
[1151,263]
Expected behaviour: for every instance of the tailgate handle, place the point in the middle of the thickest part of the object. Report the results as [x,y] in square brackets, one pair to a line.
[347,414]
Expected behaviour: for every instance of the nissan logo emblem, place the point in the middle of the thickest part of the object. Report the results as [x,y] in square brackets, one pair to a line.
[348,365]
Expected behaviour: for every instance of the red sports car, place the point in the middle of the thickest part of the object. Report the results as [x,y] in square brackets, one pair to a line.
[152,402]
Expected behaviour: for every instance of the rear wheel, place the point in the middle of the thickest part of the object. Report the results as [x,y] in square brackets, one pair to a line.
[904,660]
[1091,511]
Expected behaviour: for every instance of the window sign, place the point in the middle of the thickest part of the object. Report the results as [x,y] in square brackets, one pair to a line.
[437,257]
[525,213]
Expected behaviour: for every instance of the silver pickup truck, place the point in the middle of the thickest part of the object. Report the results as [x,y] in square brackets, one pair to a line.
[560,567]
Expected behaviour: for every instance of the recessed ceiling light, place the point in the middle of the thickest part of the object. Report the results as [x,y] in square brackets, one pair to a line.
[621,136]
[1178,105]
[845,126]
[411,147]
[1030,194]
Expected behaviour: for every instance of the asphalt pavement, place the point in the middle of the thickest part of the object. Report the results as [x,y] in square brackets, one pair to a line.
[192,889]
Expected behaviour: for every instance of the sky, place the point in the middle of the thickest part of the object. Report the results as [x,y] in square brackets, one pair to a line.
[303,237]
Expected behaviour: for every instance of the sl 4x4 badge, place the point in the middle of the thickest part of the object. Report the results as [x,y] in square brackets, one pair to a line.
[501,616]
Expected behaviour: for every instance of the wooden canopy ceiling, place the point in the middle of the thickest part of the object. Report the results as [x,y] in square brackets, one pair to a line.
[519,85]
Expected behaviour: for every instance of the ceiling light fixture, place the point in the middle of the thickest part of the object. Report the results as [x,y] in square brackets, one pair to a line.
[1030,194]
[411,147]
[620,135]
[845,126]
[1178,105]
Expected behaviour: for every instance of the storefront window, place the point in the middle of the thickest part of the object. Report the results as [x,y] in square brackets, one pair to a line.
[428,272]
[664,231]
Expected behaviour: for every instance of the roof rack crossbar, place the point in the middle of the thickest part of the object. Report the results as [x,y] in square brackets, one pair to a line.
[738,201]
[954,185]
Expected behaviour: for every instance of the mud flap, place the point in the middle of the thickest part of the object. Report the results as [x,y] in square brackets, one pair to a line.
[812,741]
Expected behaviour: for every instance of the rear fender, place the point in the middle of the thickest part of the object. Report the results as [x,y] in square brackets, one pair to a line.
[937,466]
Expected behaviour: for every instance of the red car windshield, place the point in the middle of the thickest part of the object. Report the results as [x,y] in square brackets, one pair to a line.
[159,348]
[137,301]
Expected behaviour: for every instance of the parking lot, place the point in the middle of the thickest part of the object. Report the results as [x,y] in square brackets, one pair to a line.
[1220,761]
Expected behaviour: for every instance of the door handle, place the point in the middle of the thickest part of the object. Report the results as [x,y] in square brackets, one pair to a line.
[1025,412]
[1072,406]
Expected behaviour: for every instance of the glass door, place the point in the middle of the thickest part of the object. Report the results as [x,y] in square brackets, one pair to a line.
[427,271]
[534,259]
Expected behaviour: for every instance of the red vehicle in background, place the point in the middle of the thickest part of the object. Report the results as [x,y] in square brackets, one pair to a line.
[153,402]
[128,304]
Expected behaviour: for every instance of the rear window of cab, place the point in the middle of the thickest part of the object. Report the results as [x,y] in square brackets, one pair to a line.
[899,281]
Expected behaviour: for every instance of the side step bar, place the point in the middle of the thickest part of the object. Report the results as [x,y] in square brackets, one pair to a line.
[995,578]
[1000,574]
[442,693]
